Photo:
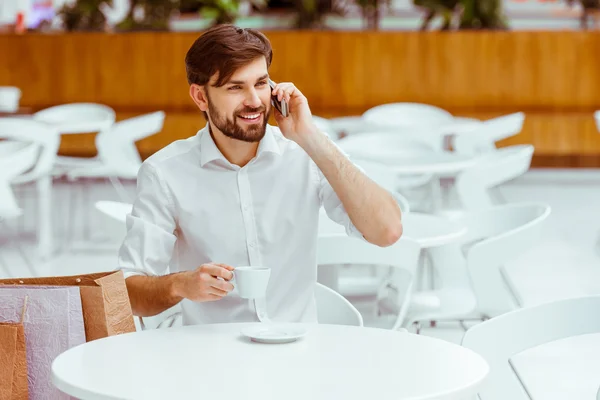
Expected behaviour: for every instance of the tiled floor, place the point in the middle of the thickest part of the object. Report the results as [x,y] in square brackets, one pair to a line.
[565,264]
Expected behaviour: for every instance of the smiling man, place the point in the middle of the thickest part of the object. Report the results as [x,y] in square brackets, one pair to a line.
[242,192]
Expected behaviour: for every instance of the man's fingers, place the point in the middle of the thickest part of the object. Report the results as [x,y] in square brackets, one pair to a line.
[217,292]
[222,286]
[228,267]
[213,297]
[218,271]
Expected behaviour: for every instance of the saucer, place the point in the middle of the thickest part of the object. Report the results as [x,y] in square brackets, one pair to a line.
[274,333]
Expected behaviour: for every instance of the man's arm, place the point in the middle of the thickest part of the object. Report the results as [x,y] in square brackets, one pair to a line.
[151,295]
[372,209]
[147,250]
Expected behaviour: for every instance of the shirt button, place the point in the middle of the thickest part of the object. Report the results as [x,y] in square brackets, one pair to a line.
[252,244]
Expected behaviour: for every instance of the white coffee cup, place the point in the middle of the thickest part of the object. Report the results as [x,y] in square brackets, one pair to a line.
[251,282]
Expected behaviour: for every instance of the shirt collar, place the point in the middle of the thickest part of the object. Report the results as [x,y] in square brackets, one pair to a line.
[210,152]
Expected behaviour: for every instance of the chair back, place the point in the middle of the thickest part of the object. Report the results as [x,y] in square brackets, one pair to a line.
[502,337]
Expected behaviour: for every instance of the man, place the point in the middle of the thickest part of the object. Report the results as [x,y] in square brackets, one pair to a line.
[241,192]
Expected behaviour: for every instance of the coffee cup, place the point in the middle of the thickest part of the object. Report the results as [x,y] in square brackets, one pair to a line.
[251,282]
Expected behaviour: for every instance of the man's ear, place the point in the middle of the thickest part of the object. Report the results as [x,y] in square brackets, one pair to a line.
[198,94]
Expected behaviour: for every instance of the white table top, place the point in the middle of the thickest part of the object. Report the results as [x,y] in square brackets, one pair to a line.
[432,230]
[114,209]
[428,230]
[443,163]
[217,362]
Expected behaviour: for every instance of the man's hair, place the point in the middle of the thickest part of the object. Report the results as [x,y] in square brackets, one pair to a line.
[223,49]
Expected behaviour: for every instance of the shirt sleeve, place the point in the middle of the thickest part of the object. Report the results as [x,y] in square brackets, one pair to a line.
[333,205]
[148,245]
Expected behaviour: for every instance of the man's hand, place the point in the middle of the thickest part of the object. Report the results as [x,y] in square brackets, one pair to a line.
[203,284]
[298,125]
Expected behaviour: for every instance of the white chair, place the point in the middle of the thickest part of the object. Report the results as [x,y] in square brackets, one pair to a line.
[501,338]
[48,139]
[324,126]
[16,158]
[384,147]
[430,120]
[503,165]
[408,114]
[352,125]
[77,117]
[332,308]
[474,284]
[399,263]
[118,156]
[483,139]
[9,99]
[115,215]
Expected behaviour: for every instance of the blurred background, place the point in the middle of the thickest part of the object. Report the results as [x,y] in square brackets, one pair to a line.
[480,115]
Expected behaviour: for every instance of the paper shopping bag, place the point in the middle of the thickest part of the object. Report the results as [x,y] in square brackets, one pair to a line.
[52,324]
[13,362]
[106,307]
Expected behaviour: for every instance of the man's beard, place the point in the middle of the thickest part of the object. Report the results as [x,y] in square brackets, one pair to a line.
[230,128]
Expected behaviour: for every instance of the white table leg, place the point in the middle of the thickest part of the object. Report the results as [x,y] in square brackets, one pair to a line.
[44,225]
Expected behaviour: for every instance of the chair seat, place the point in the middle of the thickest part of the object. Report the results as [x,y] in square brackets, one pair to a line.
[438,304]
[359,286]
[79,167]
[77,162]
[454,304]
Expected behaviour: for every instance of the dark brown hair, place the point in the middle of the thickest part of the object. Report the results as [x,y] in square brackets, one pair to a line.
[223,49]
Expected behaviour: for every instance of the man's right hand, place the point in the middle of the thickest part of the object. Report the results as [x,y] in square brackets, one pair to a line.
[203,284]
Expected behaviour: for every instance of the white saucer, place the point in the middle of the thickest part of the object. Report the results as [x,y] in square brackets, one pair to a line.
[274,333]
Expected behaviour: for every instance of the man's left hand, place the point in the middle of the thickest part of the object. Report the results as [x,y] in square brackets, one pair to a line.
[298,125]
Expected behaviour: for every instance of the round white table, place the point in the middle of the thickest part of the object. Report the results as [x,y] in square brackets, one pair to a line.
[114,209]
[432,230]
[428,230]
[217,362]
[440,164]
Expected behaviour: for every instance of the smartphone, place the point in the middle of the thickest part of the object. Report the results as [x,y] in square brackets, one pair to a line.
[282,105]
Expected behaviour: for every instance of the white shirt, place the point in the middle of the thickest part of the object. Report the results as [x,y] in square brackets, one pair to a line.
[195,207]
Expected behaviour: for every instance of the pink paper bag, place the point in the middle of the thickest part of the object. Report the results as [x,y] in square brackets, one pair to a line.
[53,323]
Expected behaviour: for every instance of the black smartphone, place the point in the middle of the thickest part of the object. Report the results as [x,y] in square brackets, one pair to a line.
[281,106]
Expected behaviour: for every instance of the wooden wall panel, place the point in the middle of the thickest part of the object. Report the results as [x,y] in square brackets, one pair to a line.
[553,76]
[561,143]
[343,70]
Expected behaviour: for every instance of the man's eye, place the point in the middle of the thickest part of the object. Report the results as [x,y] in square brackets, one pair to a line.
[235,87]
[262,83]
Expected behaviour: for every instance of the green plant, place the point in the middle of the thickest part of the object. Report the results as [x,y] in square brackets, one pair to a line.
[189,6]
[371,12]
[474,14]
[482,14]
[83,15]
[589,7]
[445,8]
[220,11]
[157,14]
[312,13]
[224,11]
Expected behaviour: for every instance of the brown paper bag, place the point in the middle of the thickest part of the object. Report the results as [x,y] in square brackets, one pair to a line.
[104,299]
[13,361]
